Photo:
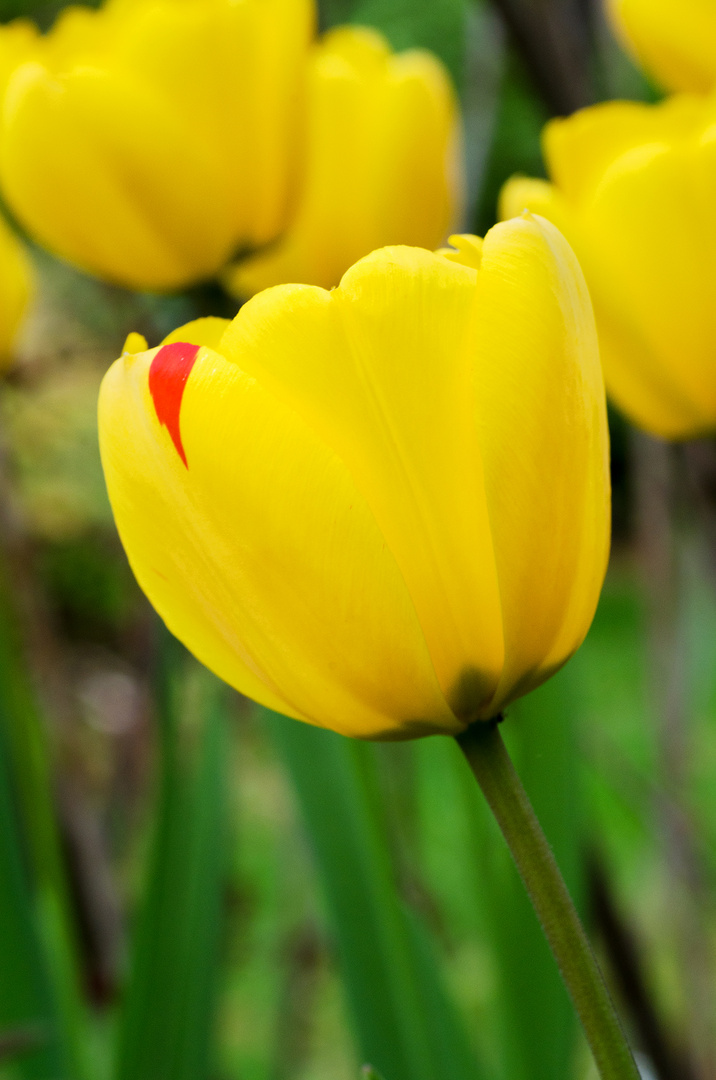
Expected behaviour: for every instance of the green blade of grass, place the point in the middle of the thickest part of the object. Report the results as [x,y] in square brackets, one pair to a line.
[165,1029]
[28,1020]
[405,1024]
[30,827]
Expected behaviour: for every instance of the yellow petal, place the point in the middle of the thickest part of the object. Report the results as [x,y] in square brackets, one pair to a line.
[111,179]
[148,142]
[410,442]
[77,32]
[675,42]
[652,230]
[578,150]
[262,555]
[16,283]
[235,72]
[465,249]
[640,219]
[382,162]
[135,343]
[521,193]
[206,331]
[635,379]
[543,436]
[19,42]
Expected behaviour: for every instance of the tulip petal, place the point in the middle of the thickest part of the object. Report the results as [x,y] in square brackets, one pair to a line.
[382,141]
[206,331]
[294,598]
[466,250]
[91,182]
[646,314]
[543,435]
[235,72]
[579,149]
[675,42]
[655,282]
[538,197]
[380,369]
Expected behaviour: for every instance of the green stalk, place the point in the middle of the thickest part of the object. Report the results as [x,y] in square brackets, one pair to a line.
[485,751]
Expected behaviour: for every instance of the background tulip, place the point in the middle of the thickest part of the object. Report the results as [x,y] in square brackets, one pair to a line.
[382,162]
[675,42]
[633,192]
[147,141]
[382,509]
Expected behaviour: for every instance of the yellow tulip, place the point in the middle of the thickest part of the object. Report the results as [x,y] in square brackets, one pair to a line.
[15,290]
[382,162]
[674,41]
[382,509]
[146,142]
[632,191]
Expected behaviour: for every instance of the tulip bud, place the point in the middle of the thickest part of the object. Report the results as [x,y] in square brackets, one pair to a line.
[633,193]
[383,162]
[675,42]
[382,509]
[146,142]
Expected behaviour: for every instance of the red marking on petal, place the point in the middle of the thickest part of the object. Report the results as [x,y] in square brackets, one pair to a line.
[168,374]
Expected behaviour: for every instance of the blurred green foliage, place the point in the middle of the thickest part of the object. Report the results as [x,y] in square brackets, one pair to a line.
[167,1026]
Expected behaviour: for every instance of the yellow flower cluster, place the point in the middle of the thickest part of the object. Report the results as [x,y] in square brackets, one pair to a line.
[381,507]
[150,142]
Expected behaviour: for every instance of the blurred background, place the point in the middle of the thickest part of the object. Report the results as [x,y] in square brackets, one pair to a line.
[194,889]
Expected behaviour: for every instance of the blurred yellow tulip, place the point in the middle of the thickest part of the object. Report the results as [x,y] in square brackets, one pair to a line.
[382,509]
[383,162]
[147,141]
[15,288]
[675,42]
[633,191]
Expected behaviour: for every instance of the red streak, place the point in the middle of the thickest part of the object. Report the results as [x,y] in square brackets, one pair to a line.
[168,374]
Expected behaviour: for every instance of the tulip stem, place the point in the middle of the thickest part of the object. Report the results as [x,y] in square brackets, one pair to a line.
[488,758]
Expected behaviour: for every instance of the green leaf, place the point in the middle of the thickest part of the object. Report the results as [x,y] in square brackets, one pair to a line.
[405,1024]
[39,959]
[165,1030]
[28,1020]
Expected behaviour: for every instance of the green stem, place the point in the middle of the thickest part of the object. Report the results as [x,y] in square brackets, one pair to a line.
[486,754]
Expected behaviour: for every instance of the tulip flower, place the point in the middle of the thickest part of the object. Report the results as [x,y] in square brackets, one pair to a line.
[382,162]
[675,42]
[633,192]
[146,142]
[382,509]
[15,290]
